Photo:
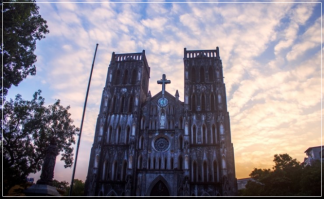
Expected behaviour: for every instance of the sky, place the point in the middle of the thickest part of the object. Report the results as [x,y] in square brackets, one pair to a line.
[271,54]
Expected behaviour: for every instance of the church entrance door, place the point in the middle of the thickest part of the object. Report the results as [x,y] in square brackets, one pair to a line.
[160,189]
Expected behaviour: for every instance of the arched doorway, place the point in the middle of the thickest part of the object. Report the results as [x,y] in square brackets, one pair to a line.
[160,189]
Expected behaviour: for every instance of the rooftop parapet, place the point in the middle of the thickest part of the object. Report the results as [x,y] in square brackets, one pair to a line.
[131,57]
[201,53]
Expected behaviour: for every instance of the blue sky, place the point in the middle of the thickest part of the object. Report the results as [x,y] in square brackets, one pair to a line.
[271,54]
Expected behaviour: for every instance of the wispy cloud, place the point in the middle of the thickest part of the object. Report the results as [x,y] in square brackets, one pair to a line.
[271,55]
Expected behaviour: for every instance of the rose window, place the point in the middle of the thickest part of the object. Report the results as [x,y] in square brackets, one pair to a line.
[161,144]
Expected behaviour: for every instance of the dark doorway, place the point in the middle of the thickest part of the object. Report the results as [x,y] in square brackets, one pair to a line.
[160,189]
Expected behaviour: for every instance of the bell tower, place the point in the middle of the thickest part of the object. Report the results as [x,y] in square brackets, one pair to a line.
[208,122]
[112,155]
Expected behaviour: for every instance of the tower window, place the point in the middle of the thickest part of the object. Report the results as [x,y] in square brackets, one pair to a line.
[122,105]
[134,76]
[193,75]
[211,74]
[117,78]
[194,172]
[194,134]
[212,104]
[204,134]
[125,77]
[180,162]
[205,171]
[214,134]
[127,134]
[131,104]
[203,102]
[193,102]
[202,74]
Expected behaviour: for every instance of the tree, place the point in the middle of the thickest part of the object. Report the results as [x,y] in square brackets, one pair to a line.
[311,179]
[78,188]
[63,186]
[28,127]
[287,178]
[22,27]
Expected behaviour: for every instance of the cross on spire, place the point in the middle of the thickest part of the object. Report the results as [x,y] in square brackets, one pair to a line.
[163,81]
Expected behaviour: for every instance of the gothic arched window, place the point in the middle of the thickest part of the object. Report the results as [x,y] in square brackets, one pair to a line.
[221,129]
[205,175]
[154,163]
[219,98]
[113,104]
[194,133]
[123,176]
[214,133]
[142,123]
[203,106]
[134,76]
[180,163]
[202,74]
[193,74]
[204,134]
[180,142]
[118,134]
[194,171]
[117,78]
[125,77]
[121,108]
[127,134]
[159,163]
[149,163]
[131,102]
[114,171]
[212,104]
[109,134]
[215,171]
[193,102]
[211,74]
[104,170]
[139,163]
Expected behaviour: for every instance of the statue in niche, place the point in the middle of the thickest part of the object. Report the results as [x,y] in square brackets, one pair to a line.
[162,119]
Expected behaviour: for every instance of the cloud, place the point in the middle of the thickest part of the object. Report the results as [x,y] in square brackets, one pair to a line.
[272,81]
[310,39]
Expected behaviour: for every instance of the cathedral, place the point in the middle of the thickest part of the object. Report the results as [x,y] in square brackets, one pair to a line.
[158,145]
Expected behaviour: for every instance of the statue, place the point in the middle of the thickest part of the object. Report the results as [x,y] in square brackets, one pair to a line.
[44,187]
[162,120]
[47,174]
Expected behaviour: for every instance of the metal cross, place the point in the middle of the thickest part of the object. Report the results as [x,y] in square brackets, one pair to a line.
[163,81]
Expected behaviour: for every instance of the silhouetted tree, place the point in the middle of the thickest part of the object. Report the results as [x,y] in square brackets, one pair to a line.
[287,178]
[22,27]
[28,127]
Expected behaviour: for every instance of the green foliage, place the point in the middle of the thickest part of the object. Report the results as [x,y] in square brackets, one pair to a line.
[60,184]
[288,178]
[28,127]
[22,26]
[78,188]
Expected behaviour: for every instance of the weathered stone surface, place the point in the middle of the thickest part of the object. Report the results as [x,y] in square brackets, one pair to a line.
[148,145]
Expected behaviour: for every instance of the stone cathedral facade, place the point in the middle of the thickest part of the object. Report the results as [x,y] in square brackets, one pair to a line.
[157,145]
